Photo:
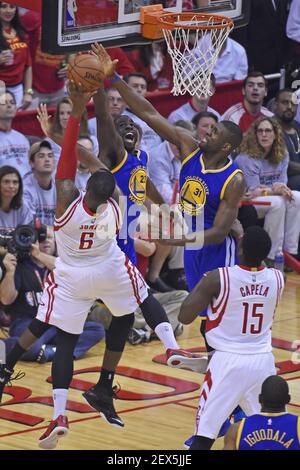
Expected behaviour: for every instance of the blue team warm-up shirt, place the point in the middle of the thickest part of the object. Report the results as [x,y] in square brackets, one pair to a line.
[131,177]
[269,431]
[201,192]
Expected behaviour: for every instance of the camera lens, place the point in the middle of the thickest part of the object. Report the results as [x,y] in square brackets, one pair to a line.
[24,236]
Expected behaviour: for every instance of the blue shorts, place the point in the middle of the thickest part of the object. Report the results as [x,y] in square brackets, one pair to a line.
[210,257]
[127,246]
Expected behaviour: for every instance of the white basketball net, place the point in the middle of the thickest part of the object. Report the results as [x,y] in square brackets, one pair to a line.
[194,53]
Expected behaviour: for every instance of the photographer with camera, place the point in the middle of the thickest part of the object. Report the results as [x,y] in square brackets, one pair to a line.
[20,292]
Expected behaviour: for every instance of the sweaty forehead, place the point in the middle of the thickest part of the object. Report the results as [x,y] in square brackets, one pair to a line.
[123,120]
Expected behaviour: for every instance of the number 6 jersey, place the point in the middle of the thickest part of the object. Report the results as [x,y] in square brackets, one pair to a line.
[83,237]
[240,319]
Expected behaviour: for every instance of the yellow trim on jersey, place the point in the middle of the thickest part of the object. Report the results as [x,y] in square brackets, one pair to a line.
[273,414]
[239,433]
[227,182]
[298,429]
[189,156]
[214,171]
[117,168]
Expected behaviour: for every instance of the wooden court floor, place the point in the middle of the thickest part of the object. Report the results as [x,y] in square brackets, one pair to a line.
[158,404]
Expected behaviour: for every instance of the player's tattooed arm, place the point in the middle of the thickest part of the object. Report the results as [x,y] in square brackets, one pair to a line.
[66,193]
[200,297]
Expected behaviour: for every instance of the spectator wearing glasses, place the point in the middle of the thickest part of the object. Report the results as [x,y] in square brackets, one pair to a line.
[264,161]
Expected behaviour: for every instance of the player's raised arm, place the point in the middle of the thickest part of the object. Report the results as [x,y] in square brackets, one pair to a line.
[110,141]
[183,138]
[86,157]
[67,164]
[200,297]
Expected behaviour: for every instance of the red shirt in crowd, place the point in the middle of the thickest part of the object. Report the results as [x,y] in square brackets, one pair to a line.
[44,65]
[164,79]
[14,74]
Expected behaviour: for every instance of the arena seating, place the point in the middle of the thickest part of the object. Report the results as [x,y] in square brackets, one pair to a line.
[226,95]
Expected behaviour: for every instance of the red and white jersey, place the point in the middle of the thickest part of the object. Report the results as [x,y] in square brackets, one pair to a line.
[83,238]
[240,319]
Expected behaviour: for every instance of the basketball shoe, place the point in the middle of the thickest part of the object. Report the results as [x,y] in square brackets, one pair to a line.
[101,399]
[181,359]
[6,377]
[57,428]
[224,428]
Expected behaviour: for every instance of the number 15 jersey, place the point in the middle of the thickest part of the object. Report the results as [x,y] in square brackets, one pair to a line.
[240,319]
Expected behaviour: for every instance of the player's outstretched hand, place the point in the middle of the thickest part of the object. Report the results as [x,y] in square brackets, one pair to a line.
[108,66]
[79,97]
[44,119]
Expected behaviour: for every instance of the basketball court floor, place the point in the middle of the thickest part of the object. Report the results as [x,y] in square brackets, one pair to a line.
[158,404]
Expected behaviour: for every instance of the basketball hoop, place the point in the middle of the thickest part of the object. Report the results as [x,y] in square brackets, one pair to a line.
[194,41]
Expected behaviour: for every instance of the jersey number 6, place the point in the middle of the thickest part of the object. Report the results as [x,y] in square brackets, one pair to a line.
[86,240]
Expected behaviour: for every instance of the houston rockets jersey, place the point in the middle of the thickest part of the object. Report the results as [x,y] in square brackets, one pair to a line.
[240,319]
[82,237]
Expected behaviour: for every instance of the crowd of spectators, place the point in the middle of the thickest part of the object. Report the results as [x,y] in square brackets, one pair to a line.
[269,155]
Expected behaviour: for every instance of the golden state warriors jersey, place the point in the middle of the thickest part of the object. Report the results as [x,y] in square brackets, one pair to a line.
[131,176]
[269,431]
[202,189]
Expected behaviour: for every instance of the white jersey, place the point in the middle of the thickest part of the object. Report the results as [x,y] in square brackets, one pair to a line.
[240,319]
[83,238]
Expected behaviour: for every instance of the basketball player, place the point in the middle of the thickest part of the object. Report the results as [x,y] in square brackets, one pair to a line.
[131,176]
[271,429]
[117,141]
[89,258]
[241,302]
[209,178]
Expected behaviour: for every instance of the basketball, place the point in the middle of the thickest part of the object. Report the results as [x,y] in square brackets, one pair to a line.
[85,69]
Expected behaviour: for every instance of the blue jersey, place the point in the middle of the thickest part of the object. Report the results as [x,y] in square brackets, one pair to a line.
[201,192]
[131,177]
[269,431]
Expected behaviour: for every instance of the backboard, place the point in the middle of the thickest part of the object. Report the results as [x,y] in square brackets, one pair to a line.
[72,25]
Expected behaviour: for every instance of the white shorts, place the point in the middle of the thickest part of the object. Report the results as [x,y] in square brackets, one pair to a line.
[231,380]
[69,292]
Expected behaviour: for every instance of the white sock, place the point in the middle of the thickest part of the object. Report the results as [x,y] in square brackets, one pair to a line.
[60,396]
[165,333]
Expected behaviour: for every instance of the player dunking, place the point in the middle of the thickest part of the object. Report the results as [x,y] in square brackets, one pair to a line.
[86,268]
[241,302]
[209,178]
[271,429]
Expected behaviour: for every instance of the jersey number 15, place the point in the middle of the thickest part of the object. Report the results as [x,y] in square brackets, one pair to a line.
[253,320]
